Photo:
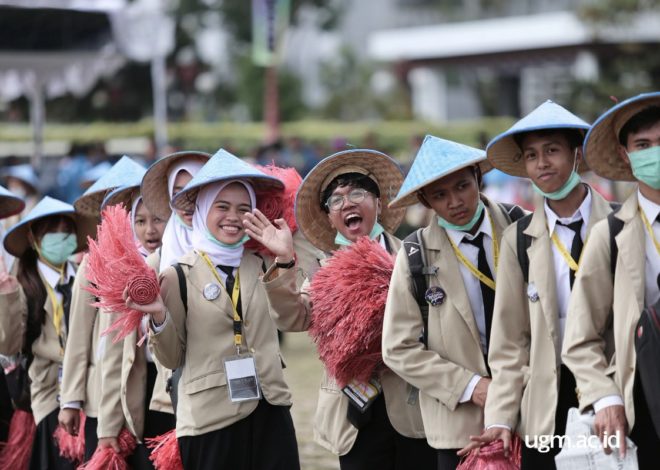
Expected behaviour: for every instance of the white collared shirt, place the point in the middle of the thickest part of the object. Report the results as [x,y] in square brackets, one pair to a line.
[565,235]
[473,285]
[652,265]
[52,276]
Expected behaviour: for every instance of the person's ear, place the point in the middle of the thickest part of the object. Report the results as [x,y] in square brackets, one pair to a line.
[330,220]
[623,154]
[422,199]
[379,207]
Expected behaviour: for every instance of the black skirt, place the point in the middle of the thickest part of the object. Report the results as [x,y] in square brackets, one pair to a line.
[45,454]
[265,440]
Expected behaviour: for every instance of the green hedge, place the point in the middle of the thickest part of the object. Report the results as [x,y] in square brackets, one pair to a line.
[394,136]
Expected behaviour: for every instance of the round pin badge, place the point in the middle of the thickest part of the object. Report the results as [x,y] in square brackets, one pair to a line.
[435,295]
[211,291]
[532,293]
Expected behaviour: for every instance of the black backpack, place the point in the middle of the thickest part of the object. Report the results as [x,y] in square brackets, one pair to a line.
[414,248]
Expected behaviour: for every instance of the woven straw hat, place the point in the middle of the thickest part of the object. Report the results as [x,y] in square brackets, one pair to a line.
[436,159]
[125,171]
[16,240]
[10,204]
[314,222]
[504,153]
[602,141]
[223,166]
[154,190]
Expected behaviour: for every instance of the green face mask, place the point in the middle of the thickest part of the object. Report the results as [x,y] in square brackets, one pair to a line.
[562,192]
[210,236]
[57,247]
[375,233]
[467,227]
[645,166]
[181,222]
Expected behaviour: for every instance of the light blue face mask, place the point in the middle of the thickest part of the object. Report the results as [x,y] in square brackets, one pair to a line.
[467,227]
[56,247]
[239,243]
[181,222]
[562,192]
[645,166]
[375,233]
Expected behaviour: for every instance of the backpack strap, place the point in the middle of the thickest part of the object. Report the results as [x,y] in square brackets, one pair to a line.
[512,212]
[523,241]
[173,382]
[615,225]
[414,249]
[183,287]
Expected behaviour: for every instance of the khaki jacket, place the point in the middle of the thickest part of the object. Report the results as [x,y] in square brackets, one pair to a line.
[603,313]
[454,354]
[44,370]
[124,381]
[525,346]
[202,338]
[290,307]
[83,346]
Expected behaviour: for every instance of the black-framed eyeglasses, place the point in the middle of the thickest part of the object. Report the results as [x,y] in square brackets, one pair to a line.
[336,202]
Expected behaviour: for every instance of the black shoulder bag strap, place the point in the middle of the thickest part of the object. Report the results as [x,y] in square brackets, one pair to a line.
[513,212]
[523,241]
[414,248]
[173,381]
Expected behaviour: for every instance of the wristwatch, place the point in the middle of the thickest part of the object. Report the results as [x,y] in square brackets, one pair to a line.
[288,265]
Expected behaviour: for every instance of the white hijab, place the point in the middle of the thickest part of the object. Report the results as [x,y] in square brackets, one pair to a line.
[202,238]
[177,237]
[136,201]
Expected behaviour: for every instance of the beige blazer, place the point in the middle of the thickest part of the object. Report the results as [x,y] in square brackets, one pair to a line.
[603,313]
[525,345]
[202,338]
[454,353]
[83,347]
[44,370]
[290,307]
[124,381]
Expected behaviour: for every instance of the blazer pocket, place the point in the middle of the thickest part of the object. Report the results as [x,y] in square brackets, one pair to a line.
[204,382]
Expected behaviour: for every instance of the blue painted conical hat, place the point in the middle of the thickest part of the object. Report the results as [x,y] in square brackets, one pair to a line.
[154,190]
[94,174]
[313,221]
[10,204]
[436,159]
[125,171]
[124,194]
[602,141]
[24,173]
[223,166]
[504,153]
[16,240]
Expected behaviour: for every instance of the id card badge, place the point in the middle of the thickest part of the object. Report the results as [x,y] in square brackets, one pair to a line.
[361,394]
[242,379]
[59,382]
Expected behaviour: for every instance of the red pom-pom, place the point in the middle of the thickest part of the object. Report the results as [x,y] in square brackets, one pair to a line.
[491,457]
[71,447]
[165,451]
[15,453]
[277,204]
[115,262]
[105,458]
[143,289]
[348,296]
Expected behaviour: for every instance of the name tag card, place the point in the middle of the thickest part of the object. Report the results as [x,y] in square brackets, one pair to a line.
[242,379]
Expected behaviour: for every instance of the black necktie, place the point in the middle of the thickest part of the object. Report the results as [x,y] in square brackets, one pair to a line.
[65,291]
[229,284]
[487,294]
[576,246]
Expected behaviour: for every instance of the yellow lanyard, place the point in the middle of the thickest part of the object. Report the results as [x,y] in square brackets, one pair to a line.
[650,230]
[235,293]
[58,315]
[471,267]
[572,264]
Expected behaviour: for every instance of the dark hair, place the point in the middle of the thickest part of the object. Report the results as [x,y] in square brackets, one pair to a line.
[641,121]
[33,287]
[476,171]
[575,137]
[353,180]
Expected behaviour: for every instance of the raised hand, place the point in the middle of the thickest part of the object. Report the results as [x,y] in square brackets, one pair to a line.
[8,283]
[276,239]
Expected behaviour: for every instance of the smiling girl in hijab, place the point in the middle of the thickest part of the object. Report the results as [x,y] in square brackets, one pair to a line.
[212,320]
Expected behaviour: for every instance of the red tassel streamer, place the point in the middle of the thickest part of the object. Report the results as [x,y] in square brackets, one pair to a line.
[491,457]
[165,451]
[349,295]
[107,459]
[15,453]
[72,447]
[114,262]
[275,204]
